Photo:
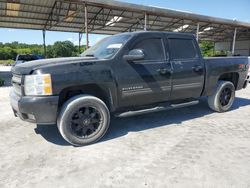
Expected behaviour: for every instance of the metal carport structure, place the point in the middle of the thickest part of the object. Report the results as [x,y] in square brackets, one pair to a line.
[112,17]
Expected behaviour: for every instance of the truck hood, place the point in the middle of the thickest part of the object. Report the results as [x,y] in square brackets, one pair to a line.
[27,67]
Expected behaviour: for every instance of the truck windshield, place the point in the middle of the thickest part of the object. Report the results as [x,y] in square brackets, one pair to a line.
[107,47]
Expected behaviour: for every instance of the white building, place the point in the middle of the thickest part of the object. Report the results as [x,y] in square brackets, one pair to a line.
[242,48]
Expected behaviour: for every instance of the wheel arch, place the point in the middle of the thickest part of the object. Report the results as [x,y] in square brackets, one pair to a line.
[231,77]
[212,80]
[89,89]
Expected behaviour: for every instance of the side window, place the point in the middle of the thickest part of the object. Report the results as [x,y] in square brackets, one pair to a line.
[152,48]
[182,49]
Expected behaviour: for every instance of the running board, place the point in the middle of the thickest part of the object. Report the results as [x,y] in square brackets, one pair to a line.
[156,109]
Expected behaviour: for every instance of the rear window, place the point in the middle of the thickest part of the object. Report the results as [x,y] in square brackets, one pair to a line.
[182,49]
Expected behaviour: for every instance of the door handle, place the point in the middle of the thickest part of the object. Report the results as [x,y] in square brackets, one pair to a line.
[197,68]
[164,71]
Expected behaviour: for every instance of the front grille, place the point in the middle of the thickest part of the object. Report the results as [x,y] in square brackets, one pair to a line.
[17,83]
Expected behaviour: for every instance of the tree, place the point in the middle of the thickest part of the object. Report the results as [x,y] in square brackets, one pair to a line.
[207,48]
[7,52]
[58,49]
[23,51]
[64,49]
[50,51]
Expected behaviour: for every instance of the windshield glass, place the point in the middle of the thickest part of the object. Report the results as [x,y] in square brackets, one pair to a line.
[27,57]
[107,47]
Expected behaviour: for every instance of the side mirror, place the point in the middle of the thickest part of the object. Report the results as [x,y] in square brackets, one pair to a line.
[133,55]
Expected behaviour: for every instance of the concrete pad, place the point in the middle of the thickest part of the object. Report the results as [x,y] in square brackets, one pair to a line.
[188,147]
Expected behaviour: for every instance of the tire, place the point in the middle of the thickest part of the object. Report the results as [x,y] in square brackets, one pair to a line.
[83,120]
[223,97]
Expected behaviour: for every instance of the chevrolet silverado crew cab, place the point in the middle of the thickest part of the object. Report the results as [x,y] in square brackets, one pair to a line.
[123,75]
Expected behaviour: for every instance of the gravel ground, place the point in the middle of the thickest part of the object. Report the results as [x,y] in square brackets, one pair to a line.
[188,147]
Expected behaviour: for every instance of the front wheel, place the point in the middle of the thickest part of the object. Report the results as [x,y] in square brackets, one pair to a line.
[223,97]
[83,120]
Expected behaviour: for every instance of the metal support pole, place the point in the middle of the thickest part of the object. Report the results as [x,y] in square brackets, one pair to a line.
[214,49]
[79,47]
[197,32]
[44,44]
[234,40]
[145,21]
[86,26]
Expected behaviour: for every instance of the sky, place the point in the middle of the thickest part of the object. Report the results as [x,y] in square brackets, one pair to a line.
[229,9]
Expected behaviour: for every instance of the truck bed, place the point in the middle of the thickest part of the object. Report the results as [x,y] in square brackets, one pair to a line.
[216,66]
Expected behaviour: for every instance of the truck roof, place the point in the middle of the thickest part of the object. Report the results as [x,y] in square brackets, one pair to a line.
[153,32]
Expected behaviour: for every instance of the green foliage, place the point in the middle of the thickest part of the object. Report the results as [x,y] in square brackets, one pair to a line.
[50,51]
[58,49]
[207,48]
[222,53]
[7,52]
[6,62]
[62,49]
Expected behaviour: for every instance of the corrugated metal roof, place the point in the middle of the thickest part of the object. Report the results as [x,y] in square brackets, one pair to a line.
[111,17]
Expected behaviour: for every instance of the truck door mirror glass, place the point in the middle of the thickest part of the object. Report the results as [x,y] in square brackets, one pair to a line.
[135,54]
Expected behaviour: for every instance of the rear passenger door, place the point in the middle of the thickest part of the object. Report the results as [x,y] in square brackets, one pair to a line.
[188,67]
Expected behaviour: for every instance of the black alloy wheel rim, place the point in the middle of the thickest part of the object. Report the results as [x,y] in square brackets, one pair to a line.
[85,122]
[225,96]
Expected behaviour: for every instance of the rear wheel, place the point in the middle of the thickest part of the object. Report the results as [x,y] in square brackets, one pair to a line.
[83,120]
[223,97]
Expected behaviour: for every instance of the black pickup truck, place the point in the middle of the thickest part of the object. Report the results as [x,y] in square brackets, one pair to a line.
[123,75]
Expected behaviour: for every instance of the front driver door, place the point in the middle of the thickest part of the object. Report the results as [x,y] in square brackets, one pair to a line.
[146,81]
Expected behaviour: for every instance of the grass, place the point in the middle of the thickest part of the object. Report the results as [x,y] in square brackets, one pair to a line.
[6,62]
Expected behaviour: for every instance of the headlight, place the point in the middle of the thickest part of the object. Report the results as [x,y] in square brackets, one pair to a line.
[38,84]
